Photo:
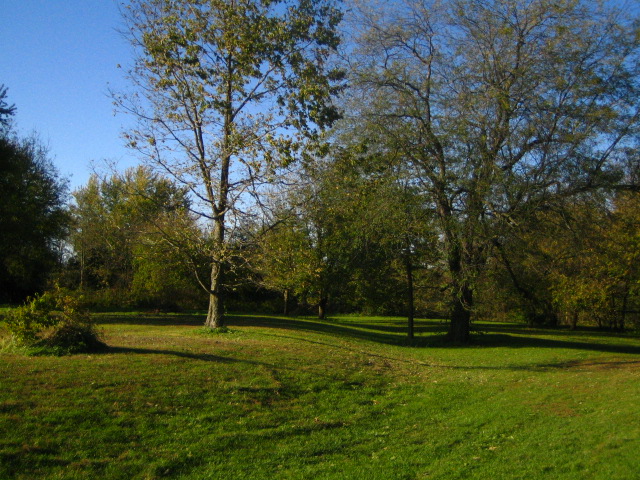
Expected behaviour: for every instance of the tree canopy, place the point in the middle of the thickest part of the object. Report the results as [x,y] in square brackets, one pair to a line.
[126,229]
[33,217]
[497,108]
[6,110]
[227,93]
[470,158]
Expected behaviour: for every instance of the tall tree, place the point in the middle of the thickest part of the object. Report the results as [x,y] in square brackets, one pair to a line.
[383,225]
[227,93]
[33,217]
[283,259]
[498,107]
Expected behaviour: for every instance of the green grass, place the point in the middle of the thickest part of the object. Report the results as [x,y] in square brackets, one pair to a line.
[281,398]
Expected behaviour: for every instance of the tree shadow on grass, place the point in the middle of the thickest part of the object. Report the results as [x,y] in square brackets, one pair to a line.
[391,332]
[388,326]
[429,333]
[392,335]
[159,320]
[520,329]
[205,357]
[504,340]
[19,461]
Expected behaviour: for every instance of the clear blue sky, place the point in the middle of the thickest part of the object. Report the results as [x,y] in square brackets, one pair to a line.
[58,58]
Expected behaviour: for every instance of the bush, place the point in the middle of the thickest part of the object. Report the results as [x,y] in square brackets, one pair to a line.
[53,323]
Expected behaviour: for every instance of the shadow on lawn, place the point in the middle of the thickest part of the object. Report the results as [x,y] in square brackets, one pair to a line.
[604,364]
[387,331]
[161,320]
[392,332]
[520,341]
[206,357]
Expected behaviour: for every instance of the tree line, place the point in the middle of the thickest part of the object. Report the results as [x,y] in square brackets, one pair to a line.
[468,159]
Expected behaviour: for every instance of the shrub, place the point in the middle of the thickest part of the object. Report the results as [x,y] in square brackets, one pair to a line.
[27,321]
[54,323]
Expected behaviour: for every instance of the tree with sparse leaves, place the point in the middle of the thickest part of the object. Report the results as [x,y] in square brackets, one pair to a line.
[498,108]
[227,94]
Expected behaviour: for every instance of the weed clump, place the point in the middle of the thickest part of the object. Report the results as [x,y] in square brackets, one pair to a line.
[215,331]
[53,323]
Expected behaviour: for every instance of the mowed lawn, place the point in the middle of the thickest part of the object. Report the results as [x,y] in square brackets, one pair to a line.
[294,398]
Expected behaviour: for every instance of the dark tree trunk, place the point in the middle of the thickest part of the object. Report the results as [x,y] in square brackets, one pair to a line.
[322,308]
[462,301]
[551,317]
[82,270]
[574,320]
[460,326]
[623,313]
[462,295]
[286,302]
[410,299]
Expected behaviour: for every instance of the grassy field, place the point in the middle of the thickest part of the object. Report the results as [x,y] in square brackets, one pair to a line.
[282,398]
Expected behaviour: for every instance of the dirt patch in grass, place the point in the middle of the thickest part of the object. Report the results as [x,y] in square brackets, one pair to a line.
[558,409]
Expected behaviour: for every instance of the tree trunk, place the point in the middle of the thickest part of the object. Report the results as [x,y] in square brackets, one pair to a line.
[551,317]
[574,320]
[82,268]
[462,301]
[286,302]
[322,308]
[623,313]
[410,299]
[460,325]
[215,314]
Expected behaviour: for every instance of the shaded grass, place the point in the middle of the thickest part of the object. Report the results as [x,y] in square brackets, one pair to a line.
[299,398]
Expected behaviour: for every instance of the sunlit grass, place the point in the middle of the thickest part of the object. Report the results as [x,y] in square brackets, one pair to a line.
[299,398]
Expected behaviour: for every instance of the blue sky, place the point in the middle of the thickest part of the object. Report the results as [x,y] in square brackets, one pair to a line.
[58,58]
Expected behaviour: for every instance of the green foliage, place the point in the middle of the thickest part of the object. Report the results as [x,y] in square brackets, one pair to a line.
[6,110]
[495,110]
[27,321]
[127,237]
[575,263]
[356,234]
[53,323]
[162,274]
[33,217]
[595,275]
[229,95]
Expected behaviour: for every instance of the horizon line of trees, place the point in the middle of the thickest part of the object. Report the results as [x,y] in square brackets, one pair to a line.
[472,159]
